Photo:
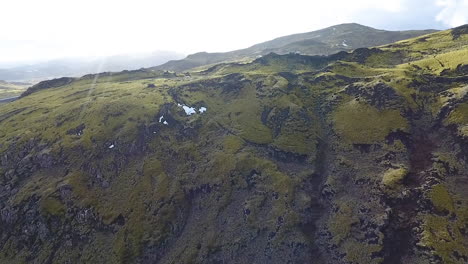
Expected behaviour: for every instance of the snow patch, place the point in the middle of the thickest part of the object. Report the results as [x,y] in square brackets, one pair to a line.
[189,110]
[111,146]
[344,44]
[161,121]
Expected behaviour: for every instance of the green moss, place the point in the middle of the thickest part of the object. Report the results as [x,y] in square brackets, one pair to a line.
[397,146]
[341,222]
[463,131]
[382,59]
[362,253]
[441,198]
[222,164]
[232,144]
[427,46]
[437,63]
[10,255]
[153,174]
[239,111]
[459,115]
[353,69]
[109,111]
[444,238]
[273,179]
[53,206]
[295,143]
[251,129]
[448,158]
[359,123]
[142,185]
[85,196]
[299,133]
[43,183]
[393,177]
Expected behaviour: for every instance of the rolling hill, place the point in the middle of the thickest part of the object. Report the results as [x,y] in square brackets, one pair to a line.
[355,157]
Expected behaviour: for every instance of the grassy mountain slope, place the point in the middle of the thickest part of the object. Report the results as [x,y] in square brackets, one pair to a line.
[344,37]
[356,157]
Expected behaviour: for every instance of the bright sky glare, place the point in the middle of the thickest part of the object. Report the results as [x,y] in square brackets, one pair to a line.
[34,30]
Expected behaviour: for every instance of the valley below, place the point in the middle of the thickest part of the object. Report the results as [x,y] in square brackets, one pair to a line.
[11,90]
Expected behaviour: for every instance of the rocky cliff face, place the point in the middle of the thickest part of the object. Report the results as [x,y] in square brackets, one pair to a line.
[353,158]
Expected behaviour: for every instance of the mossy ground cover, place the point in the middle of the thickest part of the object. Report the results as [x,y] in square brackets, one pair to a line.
[393,177]
[359,123]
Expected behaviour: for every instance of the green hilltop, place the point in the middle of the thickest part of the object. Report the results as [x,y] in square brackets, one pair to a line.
[355,157]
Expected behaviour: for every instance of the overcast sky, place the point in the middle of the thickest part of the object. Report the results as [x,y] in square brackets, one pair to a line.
[47,29]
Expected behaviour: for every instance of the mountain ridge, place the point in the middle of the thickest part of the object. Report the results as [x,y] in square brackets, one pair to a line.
[330,40]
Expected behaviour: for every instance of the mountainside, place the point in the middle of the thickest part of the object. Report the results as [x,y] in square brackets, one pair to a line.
[344,37]
[356,157]
[78,67]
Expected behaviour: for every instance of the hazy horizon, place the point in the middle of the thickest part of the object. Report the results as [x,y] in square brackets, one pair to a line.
[94,58]
[106,28]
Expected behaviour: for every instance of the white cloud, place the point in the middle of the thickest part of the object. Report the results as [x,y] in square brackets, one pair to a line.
[454,12]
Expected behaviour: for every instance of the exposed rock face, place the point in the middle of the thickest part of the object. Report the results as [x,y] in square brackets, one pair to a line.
[459,31]
[294,159]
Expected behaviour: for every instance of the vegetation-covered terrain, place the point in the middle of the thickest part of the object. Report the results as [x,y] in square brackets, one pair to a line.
[356,157]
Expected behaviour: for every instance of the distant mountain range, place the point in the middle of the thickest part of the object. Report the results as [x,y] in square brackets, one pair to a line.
[78,66]
[344,37]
